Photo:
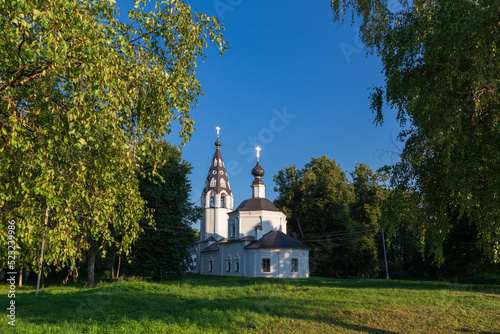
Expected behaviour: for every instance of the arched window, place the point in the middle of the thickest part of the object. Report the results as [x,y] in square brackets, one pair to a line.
[215,162]
[213,182]
[232,228]
[212,200]
[222,183]
[210,265]
[222,200]
[237,264]
[228,264]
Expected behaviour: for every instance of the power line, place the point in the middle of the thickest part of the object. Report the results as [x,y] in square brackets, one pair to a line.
[337,236]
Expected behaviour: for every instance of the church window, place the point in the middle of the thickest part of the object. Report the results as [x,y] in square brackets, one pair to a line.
[213,182]
[237,266]
[212,201]
[222,183]
[221,173]
[222,200]
[295,265]
[228,265]
[233,230]
[215,162]
[266,265]
[210,265]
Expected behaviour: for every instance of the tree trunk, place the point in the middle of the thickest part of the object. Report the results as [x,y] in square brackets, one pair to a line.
[300,229]
[91,265]
[75,275]
[118,269]
[20,279]
[43,249]
[112,271]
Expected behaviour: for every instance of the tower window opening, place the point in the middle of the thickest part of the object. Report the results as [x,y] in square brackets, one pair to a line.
[222,201]
[212,201]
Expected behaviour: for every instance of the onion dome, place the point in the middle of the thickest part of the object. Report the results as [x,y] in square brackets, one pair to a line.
[258,171]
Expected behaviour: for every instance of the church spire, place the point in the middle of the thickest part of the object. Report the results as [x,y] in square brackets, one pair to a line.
[258,187]
[217,180]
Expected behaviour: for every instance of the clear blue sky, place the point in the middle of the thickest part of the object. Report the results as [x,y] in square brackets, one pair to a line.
[293,82]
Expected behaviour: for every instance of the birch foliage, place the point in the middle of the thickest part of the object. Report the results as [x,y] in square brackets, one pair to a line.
[84,97]
[442,68]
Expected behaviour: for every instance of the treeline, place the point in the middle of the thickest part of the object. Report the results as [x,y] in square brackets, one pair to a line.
[341,217]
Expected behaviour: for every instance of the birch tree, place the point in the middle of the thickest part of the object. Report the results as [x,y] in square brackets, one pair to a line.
[84,97]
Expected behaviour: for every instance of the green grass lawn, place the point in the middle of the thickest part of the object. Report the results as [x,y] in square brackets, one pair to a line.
[198,304]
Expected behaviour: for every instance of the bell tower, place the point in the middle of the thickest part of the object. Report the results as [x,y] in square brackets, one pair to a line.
[216,198]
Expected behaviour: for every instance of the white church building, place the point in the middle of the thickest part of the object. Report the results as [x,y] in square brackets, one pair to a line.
[250,240]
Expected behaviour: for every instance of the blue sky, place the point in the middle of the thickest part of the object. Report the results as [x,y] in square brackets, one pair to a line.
[293,82]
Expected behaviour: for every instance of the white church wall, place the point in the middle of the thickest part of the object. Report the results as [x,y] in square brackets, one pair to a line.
[251,267]
[210,263]
[280,263]
[234,258]
[247,220]
[214,222]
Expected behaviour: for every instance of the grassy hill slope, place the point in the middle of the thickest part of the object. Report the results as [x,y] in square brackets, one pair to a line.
[199,304]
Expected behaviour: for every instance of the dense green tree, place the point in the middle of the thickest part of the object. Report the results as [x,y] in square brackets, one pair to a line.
[161,252]
[442,68]
[400,218]
[320,189]
[83,97]
[365,210]
[336,218]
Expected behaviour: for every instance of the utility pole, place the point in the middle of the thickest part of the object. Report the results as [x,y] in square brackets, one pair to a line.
[385,256]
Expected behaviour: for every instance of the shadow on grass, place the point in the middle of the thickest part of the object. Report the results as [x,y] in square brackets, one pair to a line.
[360,283]
[112,306]
[464,330]
[217,304]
